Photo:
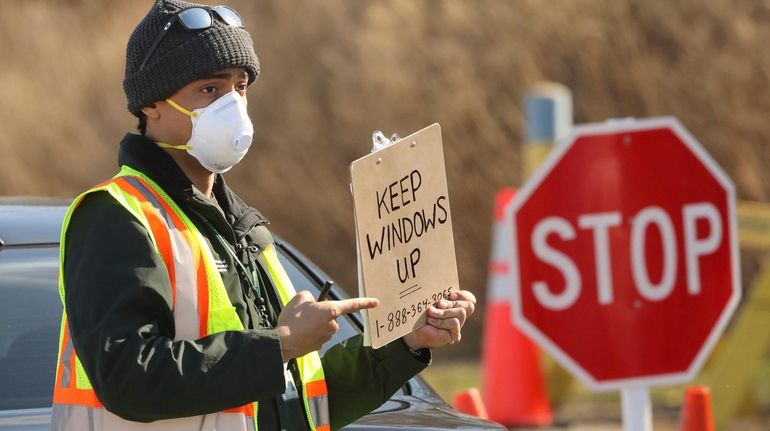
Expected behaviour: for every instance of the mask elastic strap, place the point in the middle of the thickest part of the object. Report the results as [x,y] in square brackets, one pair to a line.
[180,109]
[176,147]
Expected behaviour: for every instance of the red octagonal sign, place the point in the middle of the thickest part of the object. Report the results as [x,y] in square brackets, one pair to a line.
[625,258]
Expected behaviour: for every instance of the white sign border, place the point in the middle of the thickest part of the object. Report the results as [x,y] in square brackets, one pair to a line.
[558,152]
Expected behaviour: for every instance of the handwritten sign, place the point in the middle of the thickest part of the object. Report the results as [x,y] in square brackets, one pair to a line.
[406,254]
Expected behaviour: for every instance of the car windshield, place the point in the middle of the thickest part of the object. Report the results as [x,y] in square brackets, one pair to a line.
[30,316]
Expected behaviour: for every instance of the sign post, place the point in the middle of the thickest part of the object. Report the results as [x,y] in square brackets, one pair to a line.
[636,408]
[625,258]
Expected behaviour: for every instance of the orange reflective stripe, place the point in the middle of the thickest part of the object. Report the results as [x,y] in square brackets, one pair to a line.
[323,428]
[247,410]
[316,389]
[203,296]
[103,183]
[85,397]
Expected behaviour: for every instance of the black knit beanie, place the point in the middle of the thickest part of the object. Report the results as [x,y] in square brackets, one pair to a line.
[182,56]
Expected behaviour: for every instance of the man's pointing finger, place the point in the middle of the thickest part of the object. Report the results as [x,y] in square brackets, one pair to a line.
[352,305]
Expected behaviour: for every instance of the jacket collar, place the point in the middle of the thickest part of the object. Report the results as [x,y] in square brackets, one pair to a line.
[144,155]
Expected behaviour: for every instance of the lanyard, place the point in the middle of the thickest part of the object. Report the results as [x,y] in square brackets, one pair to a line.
[252,276]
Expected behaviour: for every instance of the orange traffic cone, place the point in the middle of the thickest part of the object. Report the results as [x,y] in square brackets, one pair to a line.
[514,391]
[469,402]
[696,411]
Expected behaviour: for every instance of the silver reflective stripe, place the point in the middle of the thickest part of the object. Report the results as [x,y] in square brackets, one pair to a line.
[150,197]
[319,410]
[186,323]
[66,417]
[65,362]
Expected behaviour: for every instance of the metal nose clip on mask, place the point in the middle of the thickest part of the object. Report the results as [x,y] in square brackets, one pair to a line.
[221,132]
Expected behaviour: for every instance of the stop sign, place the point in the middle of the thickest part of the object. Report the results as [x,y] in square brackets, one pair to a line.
[624,253]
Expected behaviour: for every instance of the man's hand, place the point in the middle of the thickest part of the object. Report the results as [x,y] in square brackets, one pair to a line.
[445,322]
[305,325]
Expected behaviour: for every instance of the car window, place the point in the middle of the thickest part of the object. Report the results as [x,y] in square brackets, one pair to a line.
[303,281]
[30,314]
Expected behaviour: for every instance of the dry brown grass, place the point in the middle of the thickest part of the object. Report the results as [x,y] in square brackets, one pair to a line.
[333,71]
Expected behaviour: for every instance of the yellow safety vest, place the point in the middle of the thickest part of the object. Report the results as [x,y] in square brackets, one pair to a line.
[201,307]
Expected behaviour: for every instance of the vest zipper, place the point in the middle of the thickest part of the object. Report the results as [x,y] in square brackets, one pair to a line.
[304,401]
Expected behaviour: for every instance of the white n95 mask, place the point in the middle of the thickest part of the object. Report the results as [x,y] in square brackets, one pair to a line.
[221,132]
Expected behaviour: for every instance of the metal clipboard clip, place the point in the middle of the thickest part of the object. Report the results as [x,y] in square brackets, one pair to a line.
[380,141]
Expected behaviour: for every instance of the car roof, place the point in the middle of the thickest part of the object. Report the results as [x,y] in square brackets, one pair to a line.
[28,221]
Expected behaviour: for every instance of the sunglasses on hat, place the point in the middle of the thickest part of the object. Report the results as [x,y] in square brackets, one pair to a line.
[195,18]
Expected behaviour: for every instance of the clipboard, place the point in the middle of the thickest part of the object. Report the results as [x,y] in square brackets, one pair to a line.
[404,241]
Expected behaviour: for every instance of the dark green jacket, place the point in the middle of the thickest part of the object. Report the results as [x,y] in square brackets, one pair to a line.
[118,302]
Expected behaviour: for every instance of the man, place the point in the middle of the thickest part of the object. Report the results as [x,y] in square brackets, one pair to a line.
[178,314]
